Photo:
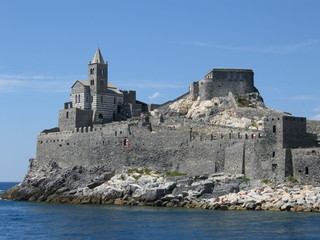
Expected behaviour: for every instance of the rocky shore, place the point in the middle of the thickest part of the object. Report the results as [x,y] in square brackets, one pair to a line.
[171,189]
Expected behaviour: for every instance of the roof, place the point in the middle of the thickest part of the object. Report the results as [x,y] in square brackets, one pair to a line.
[110,85]
[83,82]
[229,70]
[97,57]
[115,91]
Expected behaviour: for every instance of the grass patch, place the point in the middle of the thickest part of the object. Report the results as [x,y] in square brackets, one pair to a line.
[145,171]
[174,174]
[245,179]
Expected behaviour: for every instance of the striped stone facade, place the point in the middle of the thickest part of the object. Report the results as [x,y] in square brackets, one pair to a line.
[95,96]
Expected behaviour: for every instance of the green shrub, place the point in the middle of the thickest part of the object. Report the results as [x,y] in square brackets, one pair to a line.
[265,181]
[245,179]
[254,124]
[291,179]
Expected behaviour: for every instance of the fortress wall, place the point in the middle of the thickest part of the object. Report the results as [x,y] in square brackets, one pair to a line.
[221,85]
[294,132]
[194,90]
[306,165]
[313,126]
[169,148]
[68,118]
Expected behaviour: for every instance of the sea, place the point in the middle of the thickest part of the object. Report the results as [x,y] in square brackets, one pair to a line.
[28,220]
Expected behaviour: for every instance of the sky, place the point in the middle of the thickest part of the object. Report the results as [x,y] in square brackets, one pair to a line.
[154,47]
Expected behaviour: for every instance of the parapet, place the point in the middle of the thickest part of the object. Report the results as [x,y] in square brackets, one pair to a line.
[229,73]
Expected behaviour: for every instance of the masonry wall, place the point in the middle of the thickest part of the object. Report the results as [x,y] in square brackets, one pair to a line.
[294,132]
[164,148]
[306,165]
[219,82]
[74,118]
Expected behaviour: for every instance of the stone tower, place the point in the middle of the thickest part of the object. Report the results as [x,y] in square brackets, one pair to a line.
[220,81]
[98,79]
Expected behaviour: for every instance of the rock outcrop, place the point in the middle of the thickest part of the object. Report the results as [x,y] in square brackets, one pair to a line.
[172,189]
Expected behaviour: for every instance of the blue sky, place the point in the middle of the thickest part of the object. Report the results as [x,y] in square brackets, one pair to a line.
[154,47]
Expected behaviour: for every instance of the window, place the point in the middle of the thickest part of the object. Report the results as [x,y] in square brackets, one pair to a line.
[273,154]
[101,98]
[114,100]
[274,166]
[91,82]
[67,114]
[274,129]
[306,170]
[92,71]
[100,115]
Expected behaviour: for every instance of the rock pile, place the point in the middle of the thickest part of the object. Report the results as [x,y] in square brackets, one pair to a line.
[271,197]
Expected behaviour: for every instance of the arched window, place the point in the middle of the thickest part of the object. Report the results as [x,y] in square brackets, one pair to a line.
[91,82]
[100,115]
[91,70]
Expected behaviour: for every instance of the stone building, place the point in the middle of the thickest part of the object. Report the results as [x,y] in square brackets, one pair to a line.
[96,100]
[219,82]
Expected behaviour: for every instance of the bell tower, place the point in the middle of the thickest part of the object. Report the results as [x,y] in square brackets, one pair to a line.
[98,81]
[98,74]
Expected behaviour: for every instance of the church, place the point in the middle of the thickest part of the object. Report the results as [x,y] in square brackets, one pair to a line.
[98,101]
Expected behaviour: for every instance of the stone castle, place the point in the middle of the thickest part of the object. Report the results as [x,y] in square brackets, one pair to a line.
[220,125]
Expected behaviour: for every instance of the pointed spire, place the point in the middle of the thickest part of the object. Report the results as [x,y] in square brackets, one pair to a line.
[97,57]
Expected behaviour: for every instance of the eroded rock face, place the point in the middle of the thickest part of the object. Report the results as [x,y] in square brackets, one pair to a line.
[97,185]
[222,110]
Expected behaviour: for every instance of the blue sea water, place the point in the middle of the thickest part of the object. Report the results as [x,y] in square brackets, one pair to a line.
[25,220]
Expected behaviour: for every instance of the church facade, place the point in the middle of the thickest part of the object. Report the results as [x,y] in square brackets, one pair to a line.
[96,100]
